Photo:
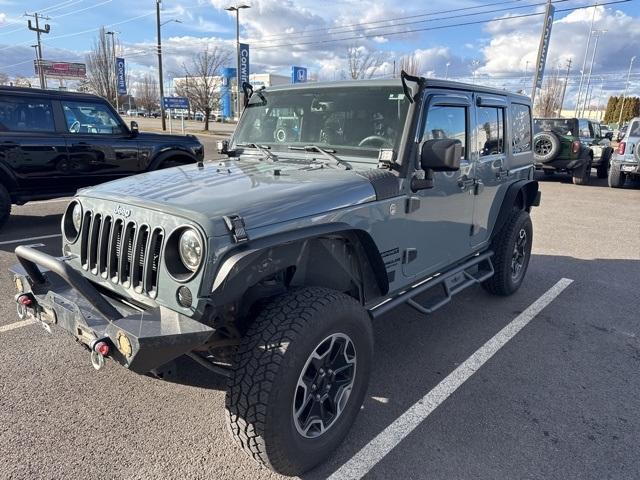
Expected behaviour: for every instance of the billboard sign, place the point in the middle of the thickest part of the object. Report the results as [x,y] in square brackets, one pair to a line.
[122,82]
[298,75]
[181,103]
[61,69]
[244,64]
[543,49]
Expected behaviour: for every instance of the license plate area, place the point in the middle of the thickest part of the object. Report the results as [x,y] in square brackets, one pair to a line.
[628,168]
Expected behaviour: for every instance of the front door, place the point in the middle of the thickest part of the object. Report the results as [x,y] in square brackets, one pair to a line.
[440,223]
[30,146]
[99,144]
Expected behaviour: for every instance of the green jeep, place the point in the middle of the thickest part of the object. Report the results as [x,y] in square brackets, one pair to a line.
[268,267]
[571,145]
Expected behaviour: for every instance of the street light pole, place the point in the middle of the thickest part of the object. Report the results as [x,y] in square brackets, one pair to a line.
[584,60]
[115,69]
[161,82]
[446,72]
[237,9]
[626,87]
[596,35]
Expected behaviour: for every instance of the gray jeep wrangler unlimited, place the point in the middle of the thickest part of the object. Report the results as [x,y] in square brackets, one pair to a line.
[268,267]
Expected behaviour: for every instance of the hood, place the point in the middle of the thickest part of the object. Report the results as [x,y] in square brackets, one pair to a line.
[166,138]
[263,193]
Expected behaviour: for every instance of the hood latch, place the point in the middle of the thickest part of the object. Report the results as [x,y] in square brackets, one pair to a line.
[235,224]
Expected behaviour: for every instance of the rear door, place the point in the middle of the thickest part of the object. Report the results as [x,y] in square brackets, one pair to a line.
[100,146]
[30,146]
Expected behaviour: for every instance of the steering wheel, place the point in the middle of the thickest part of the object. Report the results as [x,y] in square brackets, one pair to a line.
[381,141]
[75,127]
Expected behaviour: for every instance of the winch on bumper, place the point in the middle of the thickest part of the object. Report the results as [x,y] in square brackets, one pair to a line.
[139,340]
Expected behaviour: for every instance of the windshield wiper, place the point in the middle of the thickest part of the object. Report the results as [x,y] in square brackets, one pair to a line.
[264,149]
[325,152]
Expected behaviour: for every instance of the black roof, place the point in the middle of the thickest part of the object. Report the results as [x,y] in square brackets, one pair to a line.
[44,92]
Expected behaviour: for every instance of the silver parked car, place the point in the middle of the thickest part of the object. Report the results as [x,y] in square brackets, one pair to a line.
[626,161]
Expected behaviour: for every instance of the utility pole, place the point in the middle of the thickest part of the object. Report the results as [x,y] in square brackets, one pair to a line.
[626,87]
[564,89]
[584,60]
[164,122]
[39,31]
[115,69]
[446,72]
[596,34]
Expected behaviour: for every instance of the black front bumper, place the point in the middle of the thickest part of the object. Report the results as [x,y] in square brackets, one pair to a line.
[141,340]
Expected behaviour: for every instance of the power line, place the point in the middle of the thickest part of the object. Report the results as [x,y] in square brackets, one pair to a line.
[438,27]
[82,9]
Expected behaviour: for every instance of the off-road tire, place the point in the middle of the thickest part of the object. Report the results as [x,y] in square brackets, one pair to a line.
[268,364]
[503,245]
[603,169]
[582,175]
[616,177]
[5,205]
[551,144]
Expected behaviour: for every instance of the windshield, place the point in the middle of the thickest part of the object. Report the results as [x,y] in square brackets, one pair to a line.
[354,121]
[560,126]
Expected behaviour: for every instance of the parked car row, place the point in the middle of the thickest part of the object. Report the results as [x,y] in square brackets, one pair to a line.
[55,142]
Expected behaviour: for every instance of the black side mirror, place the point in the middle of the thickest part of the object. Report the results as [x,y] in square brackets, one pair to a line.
[441,155]
[134,128]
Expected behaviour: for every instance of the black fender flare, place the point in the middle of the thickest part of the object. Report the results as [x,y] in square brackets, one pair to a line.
[264,257]
[168,153]
[7,177]
[522,194]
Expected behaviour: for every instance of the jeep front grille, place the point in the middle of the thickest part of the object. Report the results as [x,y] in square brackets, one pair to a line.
[121,251]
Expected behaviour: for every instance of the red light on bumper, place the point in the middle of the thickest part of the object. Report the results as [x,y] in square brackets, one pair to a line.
[102,348]
[25,300]
[575,146]
[621,148]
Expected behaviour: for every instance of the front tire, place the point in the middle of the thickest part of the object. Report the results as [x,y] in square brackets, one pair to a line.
[582,175]
[308,340]
[512,251]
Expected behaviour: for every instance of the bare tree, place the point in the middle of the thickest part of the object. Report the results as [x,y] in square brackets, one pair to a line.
[21,82]
[362,63]
[202,80]
[411,64]
[4,79]
[147,93]
[100,68]
[549,98]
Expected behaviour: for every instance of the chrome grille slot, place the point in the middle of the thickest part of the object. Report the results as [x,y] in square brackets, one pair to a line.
[121,251]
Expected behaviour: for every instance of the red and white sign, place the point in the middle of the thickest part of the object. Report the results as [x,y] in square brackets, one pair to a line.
[61,69]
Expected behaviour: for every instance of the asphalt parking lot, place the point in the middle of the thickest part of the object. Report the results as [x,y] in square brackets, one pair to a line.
[557,401]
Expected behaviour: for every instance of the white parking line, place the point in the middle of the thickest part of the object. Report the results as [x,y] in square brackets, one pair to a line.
[29,239]
[390,437]
[13,326]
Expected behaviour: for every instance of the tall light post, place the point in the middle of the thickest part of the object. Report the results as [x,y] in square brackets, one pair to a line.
[596,34]
[160,79]
[237,9]
[626,87]
[113,55]
[446,72]
[584,60]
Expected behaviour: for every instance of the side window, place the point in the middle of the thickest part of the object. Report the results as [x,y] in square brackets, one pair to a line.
[89,117]
[520,128]
[585,132]
[595,127]
[447,122]
[25,115]
[490,131]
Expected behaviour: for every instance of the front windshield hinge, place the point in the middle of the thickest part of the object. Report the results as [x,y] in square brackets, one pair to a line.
[387,159]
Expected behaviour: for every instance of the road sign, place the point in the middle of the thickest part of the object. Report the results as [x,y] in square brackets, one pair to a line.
[175,102]
[122,82]
[61,69]
[298,74]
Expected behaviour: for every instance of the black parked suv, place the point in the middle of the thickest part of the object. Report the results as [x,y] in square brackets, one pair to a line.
[52,143]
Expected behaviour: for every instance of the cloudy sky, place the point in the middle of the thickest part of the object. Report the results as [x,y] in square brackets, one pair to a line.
[494,41]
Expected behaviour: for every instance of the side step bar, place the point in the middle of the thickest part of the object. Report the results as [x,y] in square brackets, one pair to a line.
[451,282]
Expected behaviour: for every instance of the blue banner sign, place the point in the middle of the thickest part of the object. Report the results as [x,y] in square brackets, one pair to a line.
[298,75]
[120,72]
[181,103]
[244,64]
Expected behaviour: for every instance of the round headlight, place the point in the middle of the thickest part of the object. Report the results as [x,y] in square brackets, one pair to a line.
[76,216]
[190,246]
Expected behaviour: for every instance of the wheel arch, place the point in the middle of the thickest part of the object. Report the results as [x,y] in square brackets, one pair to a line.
[329,256]
[185,157]
[522,194]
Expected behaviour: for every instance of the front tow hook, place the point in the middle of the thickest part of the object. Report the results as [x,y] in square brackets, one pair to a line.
[99,350]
